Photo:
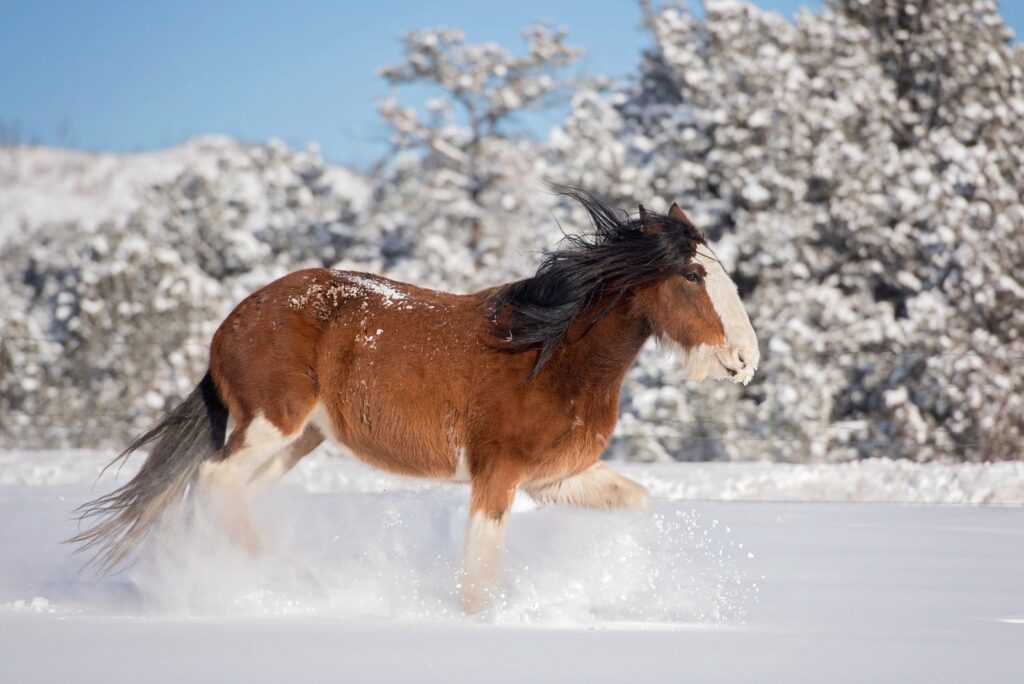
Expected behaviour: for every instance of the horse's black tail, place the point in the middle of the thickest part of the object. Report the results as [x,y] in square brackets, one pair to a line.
[192,432]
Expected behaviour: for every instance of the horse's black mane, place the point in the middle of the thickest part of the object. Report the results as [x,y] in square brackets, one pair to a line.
[621,252]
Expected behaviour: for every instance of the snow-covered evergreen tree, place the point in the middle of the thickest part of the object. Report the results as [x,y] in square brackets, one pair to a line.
[460,203]
[859,170]
[104,328]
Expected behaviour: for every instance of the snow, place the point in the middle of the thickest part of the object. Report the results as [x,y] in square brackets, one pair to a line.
[52,185]
[872,480]
[870,227]
[756,194]
[323,298]
[378,286]
[358,576]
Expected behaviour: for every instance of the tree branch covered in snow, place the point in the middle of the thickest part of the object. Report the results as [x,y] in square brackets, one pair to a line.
[461,192]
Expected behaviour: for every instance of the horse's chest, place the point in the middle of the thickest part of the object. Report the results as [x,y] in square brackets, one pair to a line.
[587,445]
[581,441]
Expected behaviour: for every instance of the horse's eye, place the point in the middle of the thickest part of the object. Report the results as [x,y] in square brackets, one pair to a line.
[693,277]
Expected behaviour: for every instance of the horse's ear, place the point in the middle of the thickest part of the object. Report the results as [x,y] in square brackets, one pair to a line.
[679,215]
[646,224]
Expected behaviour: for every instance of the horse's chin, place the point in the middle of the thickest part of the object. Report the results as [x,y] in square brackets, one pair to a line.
[702,363]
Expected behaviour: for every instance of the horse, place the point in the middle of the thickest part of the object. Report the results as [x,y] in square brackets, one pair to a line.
[513,387]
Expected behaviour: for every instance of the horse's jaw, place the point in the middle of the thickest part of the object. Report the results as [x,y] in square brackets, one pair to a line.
[705,362]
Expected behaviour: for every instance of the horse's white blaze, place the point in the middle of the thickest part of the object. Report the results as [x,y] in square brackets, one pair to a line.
[741,353]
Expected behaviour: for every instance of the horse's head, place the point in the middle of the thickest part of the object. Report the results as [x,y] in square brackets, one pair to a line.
[696,305]
[659,265]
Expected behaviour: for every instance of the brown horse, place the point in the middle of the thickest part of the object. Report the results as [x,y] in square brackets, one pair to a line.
[512,387]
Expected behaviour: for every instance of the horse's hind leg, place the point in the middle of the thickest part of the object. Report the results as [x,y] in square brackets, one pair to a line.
[223,479]
[596,487]
[275,467]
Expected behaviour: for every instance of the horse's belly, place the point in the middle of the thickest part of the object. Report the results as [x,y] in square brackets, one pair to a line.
[415,444]
[409,464]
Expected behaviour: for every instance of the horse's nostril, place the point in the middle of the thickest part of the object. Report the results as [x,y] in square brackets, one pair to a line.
[740,360]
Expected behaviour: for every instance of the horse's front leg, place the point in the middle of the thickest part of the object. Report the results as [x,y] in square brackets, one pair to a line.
[596,487]
[493,492]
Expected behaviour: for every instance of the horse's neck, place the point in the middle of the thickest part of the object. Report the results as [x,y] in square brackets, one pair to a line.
[601,355]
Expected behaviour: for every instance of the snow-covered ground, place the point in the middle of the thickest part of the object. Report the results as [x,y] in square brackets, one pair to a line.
[358,578]
[874,480]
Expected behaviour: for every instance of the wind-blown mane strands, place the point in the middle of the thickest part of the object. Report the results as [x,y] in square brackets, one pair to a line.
[621,252]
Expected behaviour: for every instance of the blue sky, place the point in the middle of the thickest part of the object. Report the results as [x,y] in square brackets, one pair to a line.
[126,76]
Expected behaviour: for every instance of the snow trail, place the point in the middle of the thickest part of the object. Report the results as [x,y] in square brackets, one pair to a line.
[343,541]
[356,562]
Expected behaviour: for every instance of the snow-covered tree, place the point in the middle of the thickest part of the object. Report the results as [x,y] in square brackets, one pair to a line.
[460,203]
[956,194]
[103,329]
[859,170]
